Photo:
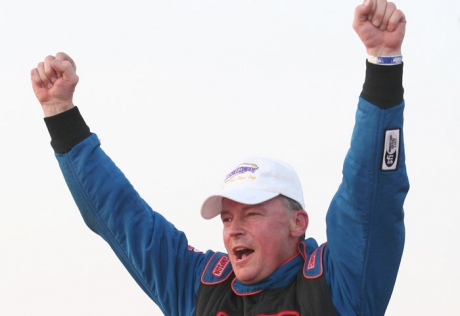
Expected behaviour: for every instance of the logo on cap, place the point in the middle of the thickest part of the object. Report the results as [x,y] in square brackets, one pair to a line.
[242,168]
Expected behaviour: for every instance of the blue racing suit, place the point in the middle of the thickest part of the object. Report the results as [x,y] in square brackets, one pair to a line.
[365,229]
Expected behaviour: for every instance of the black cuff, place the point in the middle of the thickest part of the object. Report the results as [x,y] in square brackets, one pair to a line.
[383,85]
[67,129]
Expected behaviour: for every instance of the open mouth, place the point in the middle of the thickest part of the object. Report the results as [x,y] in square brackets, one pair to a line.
[242,253]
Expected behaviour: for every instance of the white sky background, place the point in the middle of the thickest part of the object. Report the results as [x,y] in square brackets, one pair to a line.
[177,90]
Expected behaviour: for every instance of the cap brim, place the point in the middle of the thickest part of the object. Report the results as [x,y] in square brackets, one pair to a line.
[212,206]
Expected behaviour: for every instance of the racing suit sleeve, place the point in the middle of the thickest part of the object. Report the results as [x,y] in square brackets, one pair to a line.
[154,252]
[365,228]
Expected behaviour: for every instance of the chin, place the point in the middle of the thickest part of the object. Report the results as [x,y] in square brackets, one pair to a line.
[245,278]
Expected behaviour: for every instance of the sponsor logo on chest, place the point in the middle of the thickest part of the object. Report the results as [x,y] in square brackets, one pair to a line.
[220,266]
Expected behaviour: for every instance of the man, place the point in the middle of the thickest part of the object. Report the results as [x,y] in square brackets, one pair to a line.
[269,269]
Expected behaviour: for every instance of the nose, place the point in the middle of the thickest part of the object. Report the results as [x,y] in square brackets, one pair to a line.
[235,228]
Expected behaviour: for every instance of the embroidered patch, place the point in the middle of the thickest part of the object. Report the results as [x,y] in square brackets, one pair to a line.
[312,262]
[193,249]
[217,270]
[313,266]
[220,266]
[391,150]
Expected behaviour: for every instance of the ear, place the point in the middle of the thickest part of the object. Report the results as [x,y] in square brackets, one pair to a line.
[299,223]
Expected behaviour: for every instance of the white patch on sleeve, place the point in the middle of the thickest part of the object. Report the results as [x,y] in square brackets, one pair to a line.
[391,150]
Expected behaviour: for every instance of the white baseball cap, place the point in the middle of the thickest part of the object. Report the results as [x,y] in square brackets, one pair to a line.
[253,181]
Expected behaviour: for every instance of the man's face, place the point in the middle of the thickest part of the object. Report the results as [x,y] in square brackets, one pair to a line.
[257,238]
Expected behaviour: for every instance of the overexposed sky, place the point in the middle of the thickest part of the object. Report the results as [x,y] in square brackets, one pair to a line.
[177,91]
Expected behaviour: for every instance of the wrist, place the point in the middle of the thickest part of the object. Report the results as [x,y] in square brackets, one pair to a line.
[55,109]
[389,60]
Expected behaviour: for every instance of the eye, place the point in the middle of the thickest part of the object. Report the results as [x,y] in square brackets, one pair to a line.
[226,220]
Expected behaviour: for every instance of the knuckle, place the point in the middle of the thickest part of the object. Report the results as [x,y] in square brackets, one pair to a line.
[391,6]
[61,55]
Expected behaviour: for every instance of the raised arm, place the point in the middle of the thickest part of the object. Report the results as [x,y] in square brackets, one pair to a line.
[365,227]
[154,252]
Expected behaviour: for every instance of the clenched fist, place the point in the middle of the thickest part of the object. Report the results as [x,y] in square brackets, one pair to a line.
[54,81]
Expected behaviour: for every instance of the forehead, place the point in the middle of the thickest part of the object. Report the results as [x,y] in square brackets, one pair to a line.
[272,204]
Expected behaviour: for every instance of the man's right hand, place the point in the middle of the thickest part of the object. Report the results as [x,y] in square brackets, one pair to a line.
[54,81]
[380,26]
